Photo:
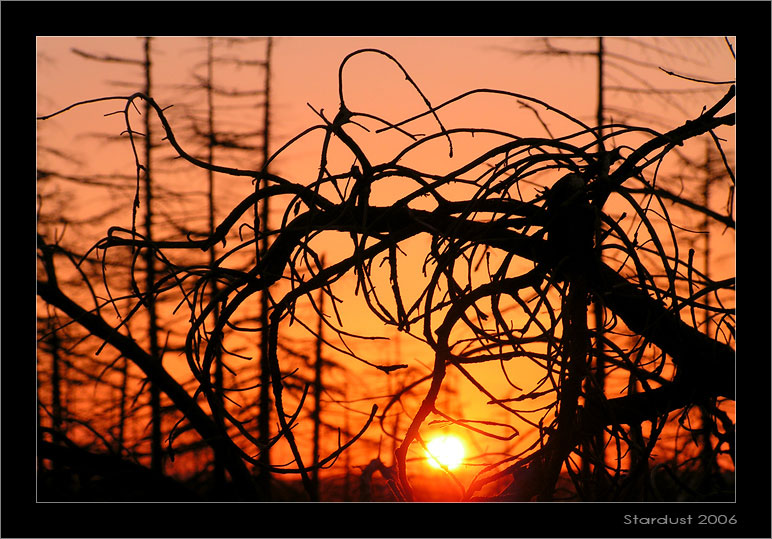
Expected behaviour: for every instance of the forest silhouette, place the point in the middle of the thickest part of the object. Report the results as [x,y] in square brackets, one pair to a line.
[571,255]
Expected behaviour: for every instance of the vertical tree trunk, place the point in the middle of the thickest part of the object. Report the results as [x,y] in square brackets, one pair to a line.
[707,454]
[217,410]
[600,363]
[317,395]
[594,448]
[397,416]
[264,414]
[600,108]
[576,350]
[121,437]
[347,454]
[56,383]
[56,402]
[156,451]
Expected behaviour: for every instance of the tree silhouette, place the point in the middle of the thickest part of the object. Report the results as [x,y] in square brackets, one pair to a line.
[513,256]
[220,140]
[93,268]
[255,141]
[619,75]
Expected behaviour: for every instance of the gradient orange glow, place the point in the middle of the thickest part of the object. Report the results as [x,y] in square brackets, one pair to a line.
[305,76]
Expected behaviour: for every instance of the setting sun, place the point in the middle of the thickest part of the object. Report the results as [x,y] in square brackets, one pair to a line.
[445,451]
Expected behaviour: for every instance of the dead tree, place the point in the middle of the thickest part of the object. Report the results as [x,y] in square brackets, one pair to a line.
[537,251]
[225,141]
[621,75]
[143,197]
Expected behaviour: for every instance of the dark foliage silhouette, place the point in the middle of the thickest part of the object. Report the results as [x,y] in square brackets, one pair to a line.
[524,227]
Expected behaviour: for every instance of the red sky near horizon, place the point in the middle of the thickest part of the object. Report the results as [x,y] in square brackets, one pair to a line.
[305,72]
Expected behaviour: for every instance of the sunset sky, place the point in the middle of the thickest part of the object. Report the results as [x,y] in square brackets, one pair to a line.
[306,72]
[305,76]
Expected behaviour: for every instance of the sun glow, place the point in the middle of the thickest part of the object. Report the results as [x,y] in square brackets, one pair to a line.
[447,451]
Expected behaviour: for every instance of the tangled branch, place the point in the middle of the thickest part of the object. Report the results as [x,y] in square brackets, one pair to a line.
[529,243]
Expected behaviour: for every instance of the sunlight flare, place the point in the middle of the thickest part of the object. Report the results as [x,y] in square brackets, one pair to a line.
[447,451]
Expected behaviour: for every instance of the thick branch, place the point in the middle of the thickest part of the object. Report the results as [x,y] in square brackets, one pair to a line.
[692,128]
[151,367]
[704,363]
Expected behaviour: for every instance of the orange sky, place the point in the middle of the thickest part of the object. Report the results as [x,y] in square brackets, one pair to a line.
[306,71]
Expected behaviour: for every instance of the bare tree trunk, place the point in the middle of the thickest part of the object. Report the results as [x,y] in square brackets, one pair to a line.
[56,383]
[594,449]
[317,395]
[347,460]
[395,439]
[56,402]
[264,415]
[707,454]
[127,346]
[217,411]
[121,437]
[156,450]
